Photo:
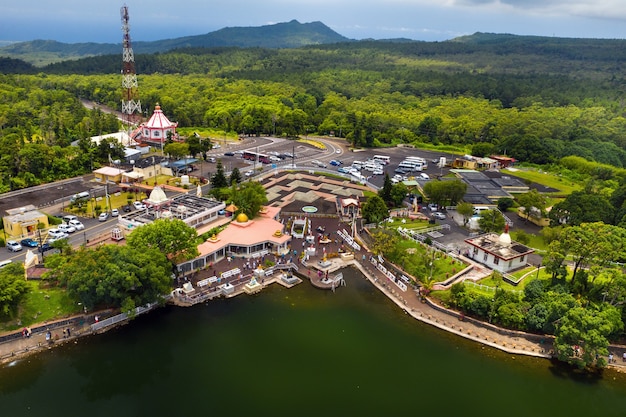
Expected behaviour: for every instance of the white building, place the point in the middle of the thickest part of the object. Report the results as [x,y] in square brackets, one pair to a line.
[499,253]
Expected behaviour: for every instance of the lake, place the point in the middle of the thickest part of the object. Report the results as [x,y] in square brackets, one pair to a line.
[296,352]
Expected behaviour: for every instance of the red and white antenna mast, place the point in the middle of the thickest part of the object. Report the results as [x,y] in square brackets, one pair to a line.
[131,106]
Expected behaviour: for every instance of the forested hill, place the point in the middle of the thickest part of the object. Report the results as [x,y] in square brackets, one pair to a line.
[291,34]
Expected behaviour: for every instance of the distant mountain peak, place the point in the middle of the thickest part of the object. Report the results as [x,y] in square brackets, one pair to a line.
[292,34]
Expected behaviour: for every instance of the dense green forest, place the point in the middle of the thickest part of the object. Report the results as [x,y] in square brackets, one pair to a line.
[533,99]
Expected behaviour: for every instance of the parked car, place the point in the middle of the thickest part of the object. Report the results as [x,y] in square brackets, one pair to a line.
[432,207]
[439,215]
[13,246]
[249,173]
[211,160]
[115,212]
[64,227]
[229,154]
[222,212]
[76,224]
[424,176]
[103,217]
[343,170]
[44,247]
[126,208]
[139,205]
[29,243]
[335,162]
[56,234]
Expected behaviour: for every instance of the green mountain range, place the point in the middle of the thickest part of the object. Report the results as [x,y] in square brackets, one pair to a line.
[281,35]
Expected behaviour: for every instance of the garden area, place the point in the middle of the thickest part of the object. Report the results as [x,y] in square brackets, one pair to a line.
[423,262]
[41,303]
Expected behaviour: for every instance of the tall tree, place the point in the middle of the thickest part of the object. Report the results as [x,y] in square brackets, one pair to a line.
[466,210]
[13,288]
[218,180]
[172,237]
[116,276]
[249,197]
[235,177]
[491,221]
[582,334]
[385,191]
[534,204]
[375,210]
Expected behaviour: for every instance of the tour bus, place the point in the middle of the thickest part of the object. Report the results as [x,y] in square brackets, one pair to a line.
[255,156]
[410,165]
[382,158]
[417,159]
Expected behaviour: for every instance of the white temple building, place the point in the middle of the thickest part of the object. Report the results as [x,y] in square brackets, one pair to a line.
[499,253]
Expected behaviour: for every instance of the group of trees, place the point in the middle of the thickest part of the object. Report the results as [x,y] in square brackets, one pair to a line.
[125,276]
[352,90]
[13,288]
[248,196]
[582,302]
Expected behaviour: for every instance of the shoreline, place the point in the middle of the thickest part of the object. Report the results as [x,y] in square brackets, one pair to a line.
[419,308]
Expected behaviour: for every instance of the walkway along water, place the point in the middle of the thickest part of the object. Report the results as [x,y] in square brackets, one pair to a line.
[15,345]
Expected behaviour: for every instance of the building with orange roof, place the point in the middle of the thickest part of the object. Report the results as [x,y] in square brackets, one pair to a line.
[243,237]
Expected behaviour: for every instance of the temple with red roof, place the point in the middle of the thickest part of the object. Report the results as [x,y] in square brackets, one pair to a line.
[157,128]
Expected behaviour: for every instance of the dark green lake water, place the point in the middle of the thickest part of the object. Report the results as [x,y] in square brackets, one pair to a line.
[297,352]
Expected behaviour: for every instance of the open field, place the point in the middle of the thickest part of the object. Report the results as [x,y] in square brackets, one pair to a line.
[547,179]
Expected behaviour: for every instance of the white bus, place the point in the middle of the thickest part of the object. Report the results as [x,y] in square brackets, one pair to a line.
[382,158]
[412,166]
[422,161]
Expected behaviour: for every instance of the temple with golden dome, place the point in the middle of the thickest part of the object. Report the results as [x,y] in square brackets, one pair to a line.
[243,237]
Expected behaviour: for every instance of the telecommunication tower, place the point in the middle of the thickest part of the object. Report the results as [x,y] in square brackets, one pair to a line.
[131,106]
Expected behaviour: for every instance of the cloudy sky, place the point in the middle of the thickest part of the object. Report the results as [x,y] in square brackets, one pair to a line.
[430,20]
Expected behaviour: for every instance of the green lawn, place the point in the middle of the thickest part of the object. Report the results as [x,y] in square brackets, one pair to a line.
[564,185]
[42,304]
[536,241]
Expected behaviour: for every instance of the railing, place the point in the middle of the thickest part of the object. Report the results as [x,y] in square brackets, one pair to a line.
[121,317]
[486,287]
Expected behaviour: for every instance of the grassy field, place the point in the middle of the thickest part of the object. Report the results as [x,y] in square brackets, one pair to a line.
[42,303]
[547,179]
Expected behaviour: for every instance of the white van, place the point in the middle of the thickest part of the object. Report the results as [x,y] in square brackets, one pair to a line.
[67,219]
[479,209]
[80,196]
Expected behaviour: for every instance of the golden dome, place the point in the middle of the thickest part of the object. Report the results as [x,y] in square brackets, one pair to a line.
[242,218]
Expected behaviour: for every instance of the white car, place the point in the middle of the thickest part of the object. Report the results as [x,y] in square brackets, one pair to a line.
[76,224]
[13,246]
[139,205]
[249,173]
[377,172]
[115,212]
[424,176]
[66,228]
[103,217]
[439,215]
[57,234]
